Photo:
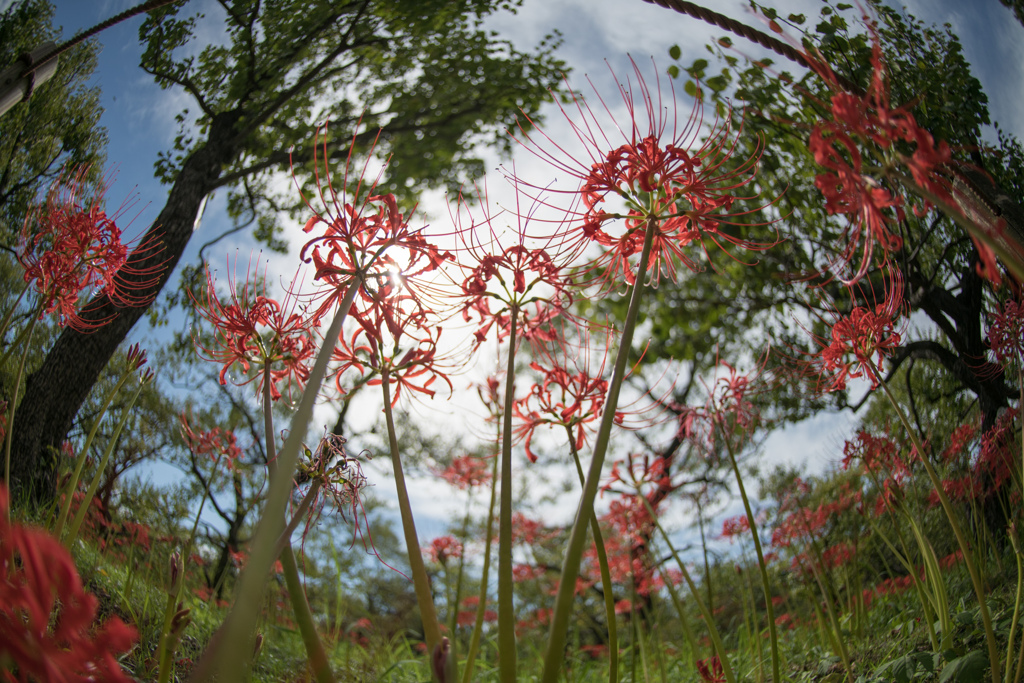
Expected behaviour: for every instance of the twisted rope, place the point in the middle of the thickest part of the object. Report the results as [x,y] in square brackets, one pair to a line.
[141,8]
[750,33]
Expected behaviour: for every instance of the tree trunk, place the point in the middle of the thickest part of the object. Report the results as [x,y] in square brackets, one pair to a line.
[55,392]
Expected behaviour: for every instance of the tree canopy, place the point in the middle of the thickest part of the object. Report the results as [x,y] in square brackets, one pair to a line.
[426,74]
[57,126]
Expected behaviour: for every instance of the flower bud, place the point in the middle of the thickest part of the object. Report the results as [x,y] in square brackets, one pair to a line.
[175,573]
[179,622]
[257,646]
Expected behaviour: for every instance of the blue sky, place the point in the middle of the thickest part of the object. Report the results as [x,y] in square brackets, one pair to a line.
[139,116]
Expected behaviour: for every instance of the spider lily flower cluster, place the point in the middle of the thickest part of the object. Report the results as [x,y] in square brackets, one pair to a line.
[651,181]
[865,149]
[673,201]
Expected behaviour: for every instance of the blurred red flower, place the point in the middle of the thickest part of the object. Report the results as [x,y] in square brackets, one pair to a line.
[47,619]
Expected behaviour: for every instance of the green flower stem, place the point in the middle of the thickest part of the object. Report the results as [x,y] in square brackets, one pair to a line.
[761,566]
[14,401]
[237,633]
[606,576]
[506,609]
[304,617]
[691,639]
[826,634]
[94,485]
[937,585]
[421,582]
[750,620]
[165,651]
[947,507]
[1016,603]
[296,591]
[300,512]
[481,607]
[835,631]
[72,484]
[927,601]
[716,638]
[563,609]
[23,337]
[10,314]
[453,606]
[165,633]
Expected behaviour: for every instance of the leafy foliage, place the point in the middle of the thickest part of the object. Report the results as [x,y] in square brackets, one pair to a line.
[57,126]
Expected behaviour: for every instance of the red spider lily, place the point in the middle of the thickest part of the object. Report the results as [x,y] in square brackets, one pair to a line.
[252,329]
[726,414]
[444,548]
[47,619]
[869,123]
[467,617]
[640,472]
[711,670]
[878,453]
[1006,334]
[571,392]
[861,339]
[359,230]
[527,572]
[571,400]
[70,246]
[529,531]
[735,526]
[467,471]
[529,276]
[654,182]
[999,452]
[214,443]
[393,337]
[805,522]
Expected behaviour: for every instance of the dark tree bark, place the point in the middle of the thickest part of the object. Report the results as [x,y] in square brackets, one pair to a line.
[55,392]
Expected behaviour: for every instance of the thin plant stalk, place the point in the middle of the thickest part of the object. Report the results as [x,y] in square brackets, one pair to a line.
[453,622]
[163,656]
[606,575]
[691,639]
[927,601]
[1016,603]
[481,607]
[165,650]
[72,484]
[761,565]
[824,628]
[10,314]
[716,638]
[506,609]
[14,401]
[835,631]
[296,591]
[420,579]
[757,650]
[961,539]
[937,584]
[237,634]
[24,336]
[563,609]
[94,485]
